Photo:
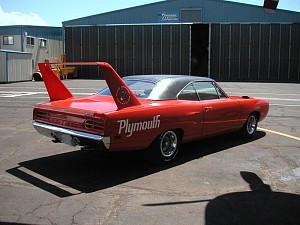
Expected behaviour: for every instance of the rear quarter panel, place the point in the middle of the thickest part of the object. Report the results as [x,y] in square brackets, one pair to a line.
[135,128]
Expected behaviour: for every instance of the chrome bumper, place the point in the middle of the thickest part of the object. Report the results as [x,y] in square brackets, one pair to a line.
[68,136]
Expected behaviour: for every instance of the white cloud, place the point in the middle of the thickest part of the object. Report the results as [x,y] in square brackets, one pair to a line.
[18,18]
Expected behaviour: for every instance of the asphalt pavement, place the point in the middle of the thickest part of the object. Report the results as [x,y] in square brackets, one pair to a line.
[222,180]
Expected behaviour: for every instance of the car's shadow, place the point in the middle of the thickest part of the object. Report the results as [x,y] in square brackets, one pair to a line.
[89,171]
[260,206]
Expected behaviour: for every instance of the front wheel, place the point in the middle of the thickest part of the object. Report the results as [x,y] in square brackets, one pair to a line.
[164,148]
[250,127]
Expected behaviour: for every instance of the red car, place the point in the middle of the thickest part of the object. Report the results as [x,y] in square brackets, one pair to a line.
[152,112]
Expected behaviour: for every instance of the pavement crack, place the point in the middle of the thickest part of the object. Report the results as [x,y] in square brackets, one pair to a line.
[79,212]
[36,213]
[112,210]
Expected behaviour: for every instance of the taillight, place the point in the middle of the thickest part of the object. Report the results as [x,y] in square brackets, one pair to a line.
[41,115]
[96,123]
[92,124]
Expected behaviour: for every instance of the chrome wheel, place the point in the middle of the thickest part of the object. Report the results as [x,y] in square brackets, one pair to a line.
[249,128]
[251,125]
[165,147]
[168,144]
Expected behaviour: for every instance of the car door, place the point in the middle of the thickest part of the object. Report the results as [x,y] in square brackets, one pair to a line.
[221,114]
[195,110]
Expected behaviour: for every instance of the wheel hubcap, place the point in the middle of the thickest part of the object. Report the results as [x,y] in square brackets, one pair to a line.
[168,144]
[251,125]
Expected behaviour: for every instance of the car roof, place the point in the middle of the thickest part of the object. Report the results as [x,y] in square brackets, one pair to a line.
[167,86]
[155,78]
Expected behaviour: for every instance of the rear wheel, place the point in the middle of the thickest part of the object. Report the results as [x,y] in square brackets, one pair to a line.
[250,127]
[164,148]
[37,77]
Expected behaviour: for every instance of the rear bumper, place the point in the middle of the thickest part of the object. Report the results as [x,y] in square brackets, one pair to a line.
[68,136]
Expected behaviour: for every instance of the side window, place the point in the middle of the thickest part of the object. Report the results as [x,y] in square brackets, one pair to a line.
[8,40]
[30,41]
[188,93]
[221,93]
[206,90]
[43,42]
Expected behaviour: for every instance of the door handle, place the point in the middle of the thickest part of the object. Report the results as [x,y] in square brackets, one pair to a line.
[207,108]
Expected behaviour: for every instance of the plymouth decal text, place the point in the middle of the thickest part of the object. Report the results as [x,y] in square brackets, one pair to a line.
[128,128]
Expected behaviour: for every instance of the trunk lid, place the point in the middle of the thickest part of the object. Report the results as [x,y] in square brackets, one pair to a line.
[84,114]
[95,103]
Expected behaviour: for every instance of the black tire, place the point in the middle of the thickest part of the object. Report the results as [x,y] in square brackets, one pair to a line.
[250,127]
[37,77]
[164,148]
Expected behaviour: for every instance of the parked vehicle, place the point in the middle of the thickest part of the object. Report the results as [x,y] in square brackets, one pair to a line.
[153,112]
[62,71]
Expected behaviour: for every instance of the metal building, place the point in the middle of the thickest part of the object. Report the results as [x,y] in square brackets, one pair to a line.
[15,66]
[216,38]
[189,11]
[18,43]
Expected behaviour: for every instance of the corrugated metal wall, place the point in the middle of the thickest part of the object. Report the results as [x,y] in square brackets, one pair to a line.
[15,66]
[147,49]
[255,52]
[3,69]
[237,52]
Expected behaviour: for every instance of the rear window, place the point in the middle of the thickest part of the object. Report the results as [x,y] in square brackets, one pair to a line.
[140,88]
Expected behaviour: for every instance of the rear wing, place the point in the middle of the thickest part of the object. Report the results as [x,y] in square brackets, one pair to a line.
[121,93]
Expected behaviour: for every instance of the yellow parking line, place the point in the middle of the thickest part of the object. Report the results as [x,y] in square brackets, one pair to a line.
[279,133]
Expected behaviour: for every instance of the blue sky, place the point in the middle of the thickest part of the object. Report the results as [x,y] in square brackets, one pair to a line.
[53,12]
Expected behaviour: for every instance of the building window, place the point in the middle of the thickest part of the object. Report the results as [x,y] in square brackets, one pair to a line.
[30,40]
[8,40]
[191,15]
[43,42]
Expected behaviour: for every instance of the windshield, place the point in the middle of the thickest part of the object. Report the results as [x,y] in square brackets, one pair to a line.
[140,88]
